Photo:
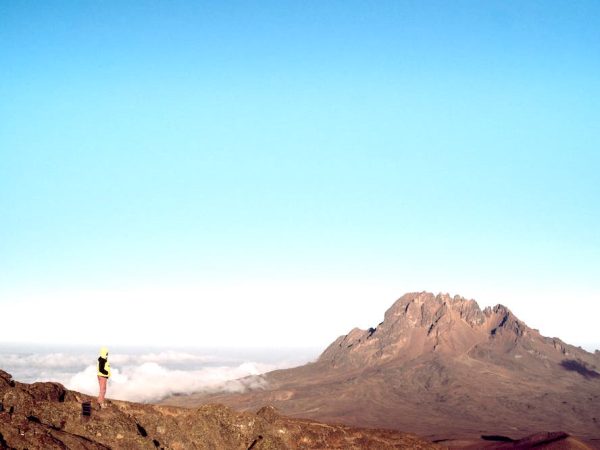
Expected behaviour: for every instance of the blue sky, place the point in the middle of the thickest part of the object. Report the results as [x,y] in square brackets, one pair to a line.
[345,151]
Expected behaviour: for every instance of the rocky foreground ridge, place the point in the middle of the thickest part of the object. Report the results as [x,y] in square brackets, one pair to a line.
[443,368]
[46,416]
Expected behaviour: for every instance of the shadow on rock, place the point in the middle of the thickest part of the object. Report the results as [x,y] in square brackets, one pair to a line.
[580,368]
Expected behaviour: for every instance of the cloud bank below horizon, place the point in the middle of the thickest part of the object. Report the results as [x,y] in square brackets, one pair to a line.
[150,381]
[145,377]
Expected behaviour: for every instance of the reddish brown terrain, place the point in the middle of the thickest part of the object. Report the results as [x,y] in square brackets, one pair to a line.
[442,368]
[46,416]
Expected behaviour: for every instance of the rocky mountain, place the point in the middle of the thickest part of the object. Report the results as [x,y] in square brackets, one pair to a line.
[440,367]
[46,416]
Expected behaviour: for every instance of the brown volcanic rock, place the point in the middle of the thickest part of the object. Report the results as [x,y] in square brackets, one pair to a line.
[440,367]
[46,416]
[423,323]
[538,441]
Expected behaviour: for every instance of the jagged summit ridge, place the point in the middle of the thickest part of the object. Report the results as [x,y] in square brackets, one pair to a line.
[426,309]
[421,322]
[425,302]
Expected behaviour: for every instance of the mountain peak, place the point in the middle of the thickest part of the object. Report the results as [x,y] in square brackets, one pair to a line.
[503,320]
[421,322]
[425,307]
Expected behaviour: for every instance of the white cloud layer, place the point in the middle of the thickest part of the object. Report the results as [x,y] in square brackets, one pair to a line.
[144,377]
[150,381]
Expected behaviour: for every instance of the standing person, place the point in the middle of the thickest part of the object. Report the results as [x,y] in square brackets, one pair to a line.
[103,374]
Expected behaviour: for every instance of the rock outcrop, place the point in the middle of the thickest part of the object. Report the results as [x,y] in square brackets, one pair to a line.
[46,416]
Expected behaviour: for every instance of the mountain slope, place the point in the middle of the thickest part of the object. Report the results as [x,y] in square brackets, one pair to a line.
[441,367]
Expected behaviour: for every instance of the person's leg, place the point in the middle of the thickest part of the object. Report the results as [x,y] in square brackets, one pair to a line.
[102,385]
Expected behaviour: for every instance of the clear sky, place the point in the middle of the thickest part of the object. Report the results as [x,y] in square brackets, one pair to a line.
[275,173]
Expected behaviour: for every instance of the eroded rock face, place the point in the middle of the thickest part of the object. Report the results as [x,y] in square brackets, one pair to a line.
[46,416]
[421,323]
